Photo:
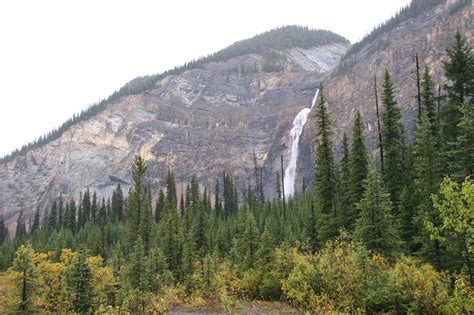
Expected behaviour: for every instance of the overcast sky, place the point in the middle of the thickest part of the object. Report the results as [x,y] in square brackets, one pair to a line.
[57,57]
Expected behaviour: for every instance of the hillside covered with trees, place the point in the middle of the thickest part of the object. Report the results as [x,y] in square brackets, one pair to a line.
[393,232]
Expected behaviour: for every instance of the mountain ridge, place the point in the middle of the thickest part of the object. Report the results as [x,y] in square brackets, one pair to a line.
[281,38]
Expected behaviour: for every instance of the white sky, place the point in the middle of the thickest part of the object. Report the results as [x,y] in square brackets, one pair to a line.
[57,57]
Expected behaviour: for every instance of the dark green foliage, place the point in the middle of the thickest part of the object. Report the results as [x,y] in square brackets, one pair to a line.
[3,231]
[81,284]
[428,99]
[376,226]
[463,164]
[459,70]
[358,165]
[117,204]
[160,205]
[393,141]
[342,187]
[325,173]
[35,225]
[20,232]
[94,208]
[53,217]
[171,195]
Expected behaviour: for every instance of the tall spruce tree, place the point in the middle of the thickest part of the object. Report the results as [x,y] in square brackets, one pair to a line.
[459,71]
[376,226]
[138,203]
[325,173]
[358,167]
[171,194]
[343,198]
[53,216]
[36,222]
[82,284]
[393,141]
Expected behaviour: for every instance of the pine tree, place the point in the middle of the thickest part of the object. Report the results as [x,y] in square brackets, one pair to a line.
[137,196]
[160,204]
[171,189]
[60,213]
[393,141]
[94,208]
[20,233]
[217,203]
[461,164]
[36,222]
[358,167]
[81,284]
[376,226]
[459,70]
[249,241]
[3,231]
[343,197]
[117,204]
[71,219]
[428,99]
[265,252]
[86,208]
[325,173]
[53,217]
[200,229]
[138,274]
[25,277]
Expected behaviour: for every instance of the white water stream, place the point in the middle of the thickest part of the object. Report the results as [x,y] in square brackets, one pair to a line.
[295,133]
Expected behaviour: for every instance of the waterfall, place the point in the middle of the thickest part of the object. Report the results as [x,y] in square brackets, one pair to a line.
[295,133]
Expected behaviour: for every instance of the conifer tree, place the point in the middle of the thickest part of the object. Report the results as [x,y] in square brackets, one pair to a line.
[3,231]
[200,229]
[376,226]
[428,99]
[325,173]
[160,204]
[94,208]
[20,233]
[117,204]
[265,254]
[461,163]
[60,213]
[217,204]
[171,189]
[137,204]
[86,207]
[358,166]
[36,222]
[248,241]
[138,274]
[393,141]
[81,284]
[25,277]
[278,186]
[53,217]
[71,219]
[343,197]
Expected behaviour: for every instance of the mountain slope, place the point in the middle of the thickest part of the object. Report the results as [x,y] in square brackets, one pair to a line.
[351,85]
[205,118]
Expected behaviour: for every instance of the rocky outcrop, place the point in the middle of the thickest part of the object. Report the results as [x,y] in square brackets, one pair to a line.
[203,121]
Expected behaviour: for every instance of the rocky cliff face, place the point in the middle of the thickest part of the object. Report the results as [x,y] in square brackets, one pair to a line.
[203,121]
[211,119]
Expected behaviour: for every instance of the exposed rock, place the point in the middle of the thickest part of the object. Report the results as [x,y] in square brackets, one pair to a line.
[202,122]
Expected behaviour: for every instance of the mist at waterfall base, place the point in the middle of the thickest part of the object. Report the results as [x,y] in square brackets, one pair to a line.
[295,133]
